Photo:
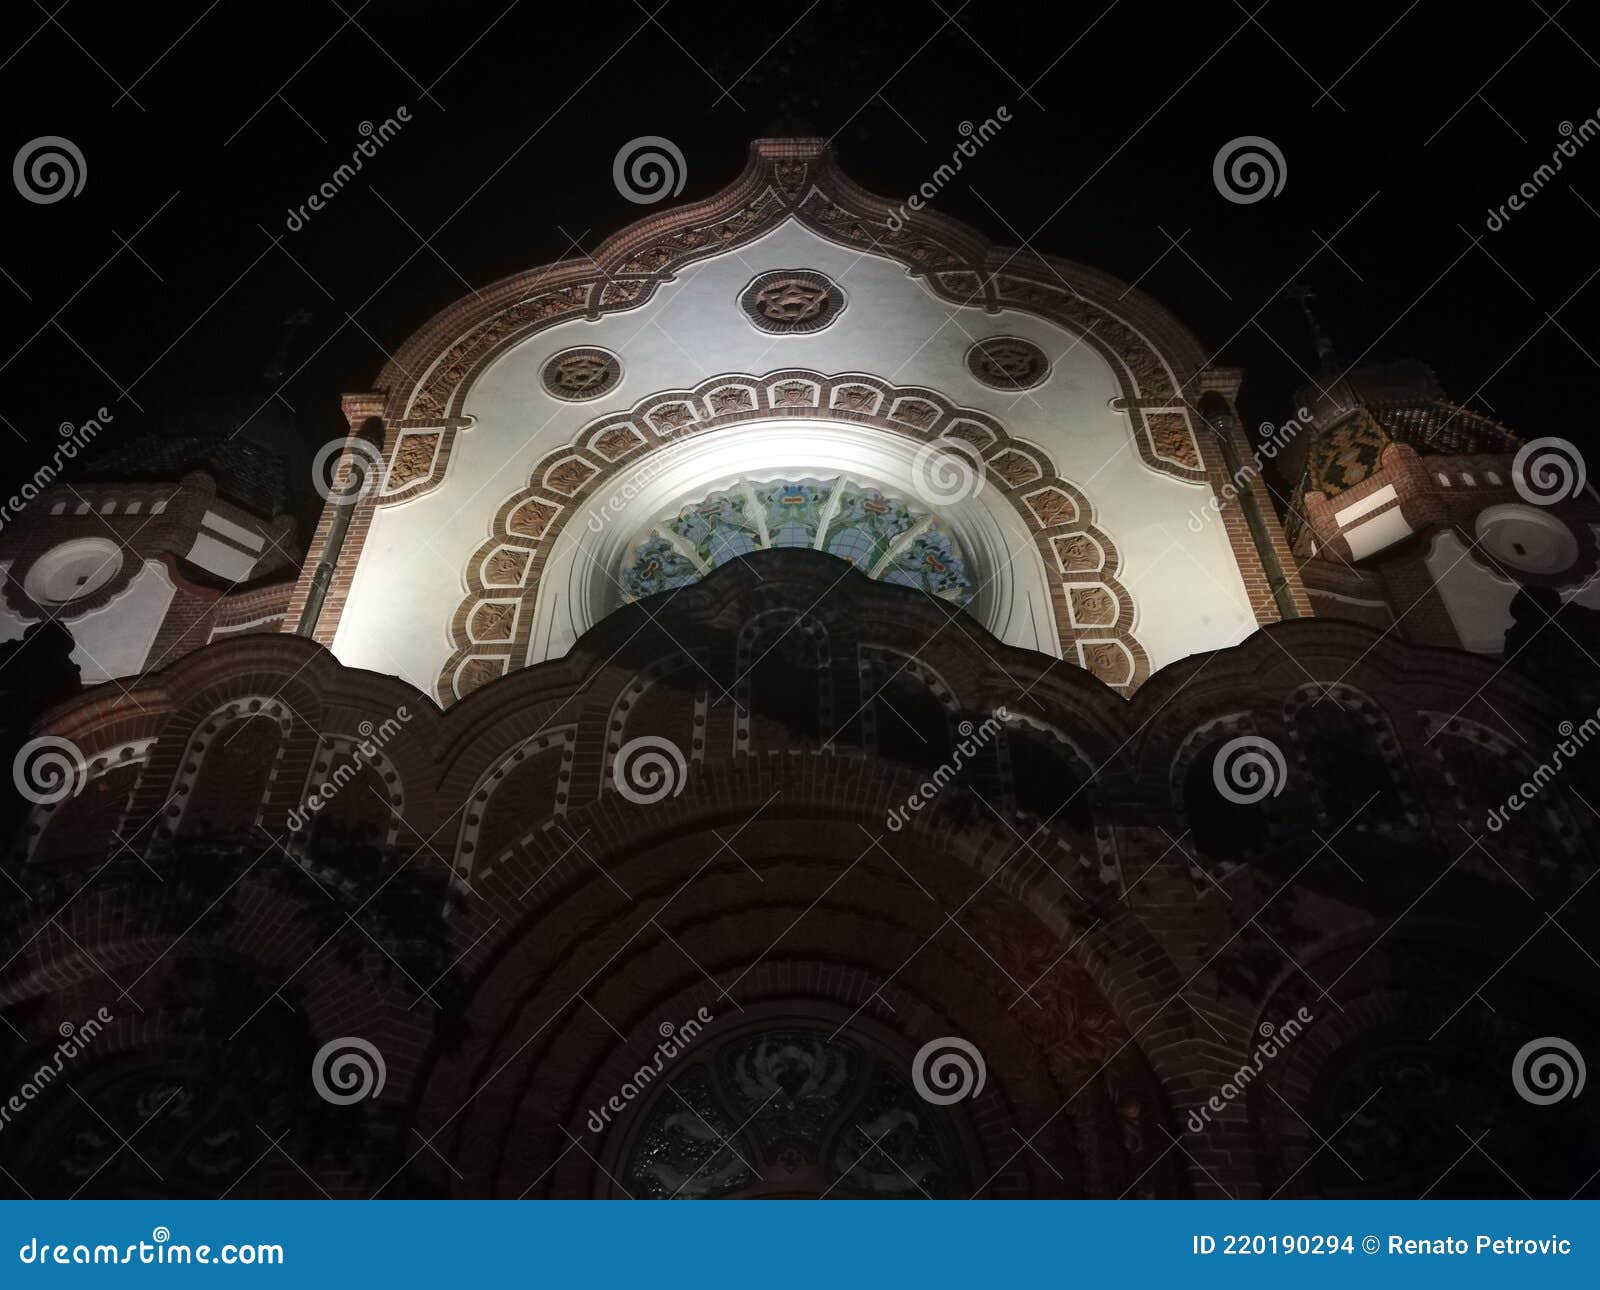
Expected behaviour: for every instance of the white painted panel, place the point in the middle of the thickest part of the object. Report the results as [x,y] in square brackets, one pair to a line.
[1369,503]
[1378,532]
[115,640]
[1479,603]
[228,529]
[220,558]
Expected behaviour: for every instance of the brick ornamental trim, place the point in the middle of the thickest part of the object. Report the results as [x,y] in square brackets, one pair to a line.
[1093,611]
[1098,911]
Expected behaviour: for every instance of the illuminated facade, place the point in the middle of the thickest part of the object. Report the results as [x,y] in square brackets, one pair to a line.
[931,583]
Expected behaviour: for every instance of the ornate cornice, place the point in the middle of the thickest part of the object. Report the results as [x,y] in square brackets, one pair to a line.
[1156,360]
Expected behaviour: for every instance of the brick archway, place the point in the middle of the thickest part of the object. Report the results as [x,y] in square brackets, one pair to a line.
[610,948]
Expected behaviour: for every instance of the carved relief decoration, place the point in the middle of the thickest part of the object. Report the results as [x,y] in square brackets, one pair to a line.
[798,179]
[413,458]
[792,301]
[580,374]
[1008,363]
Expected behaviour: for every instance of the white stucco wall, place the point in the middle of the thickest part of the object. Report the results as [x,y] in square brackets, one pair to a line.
[114,640]
[1186,586]
[1478,599]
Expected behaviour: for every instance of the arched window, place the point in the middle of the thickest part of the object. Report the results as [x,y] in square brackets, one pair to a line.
[1346,748]
[885,537]
[794,1106]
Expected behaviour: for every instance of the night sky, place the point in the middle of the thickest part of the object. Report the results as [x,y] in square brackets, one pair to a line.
[160,283]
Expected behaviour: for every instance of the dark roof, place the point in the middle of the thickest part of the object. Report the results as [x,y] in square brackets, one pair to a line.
[1436,426]
[247,474]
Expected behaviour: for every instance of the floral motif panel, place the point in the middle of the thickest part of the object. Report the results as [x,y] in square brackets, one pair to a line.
[885,537]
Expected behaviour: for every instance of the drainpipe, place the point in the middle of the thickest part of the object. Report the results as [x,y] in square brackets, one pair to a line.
[1248,503]
[322,576]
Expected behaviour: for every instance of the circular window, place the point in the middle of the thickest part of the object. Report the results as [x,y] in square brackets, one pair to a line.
[72,571]
[1526,539]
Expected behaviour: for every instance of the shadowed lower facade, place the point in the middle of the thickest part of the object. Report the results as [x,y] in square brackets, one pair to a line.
[807,702]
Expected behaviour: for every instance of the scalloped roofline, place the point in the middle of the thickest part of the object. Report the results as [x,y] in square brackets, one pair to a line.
[982,255]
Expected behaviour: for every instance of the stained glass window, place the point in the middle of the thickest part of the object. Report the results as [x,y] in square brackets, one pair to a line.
[793,1108]
[883,536]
